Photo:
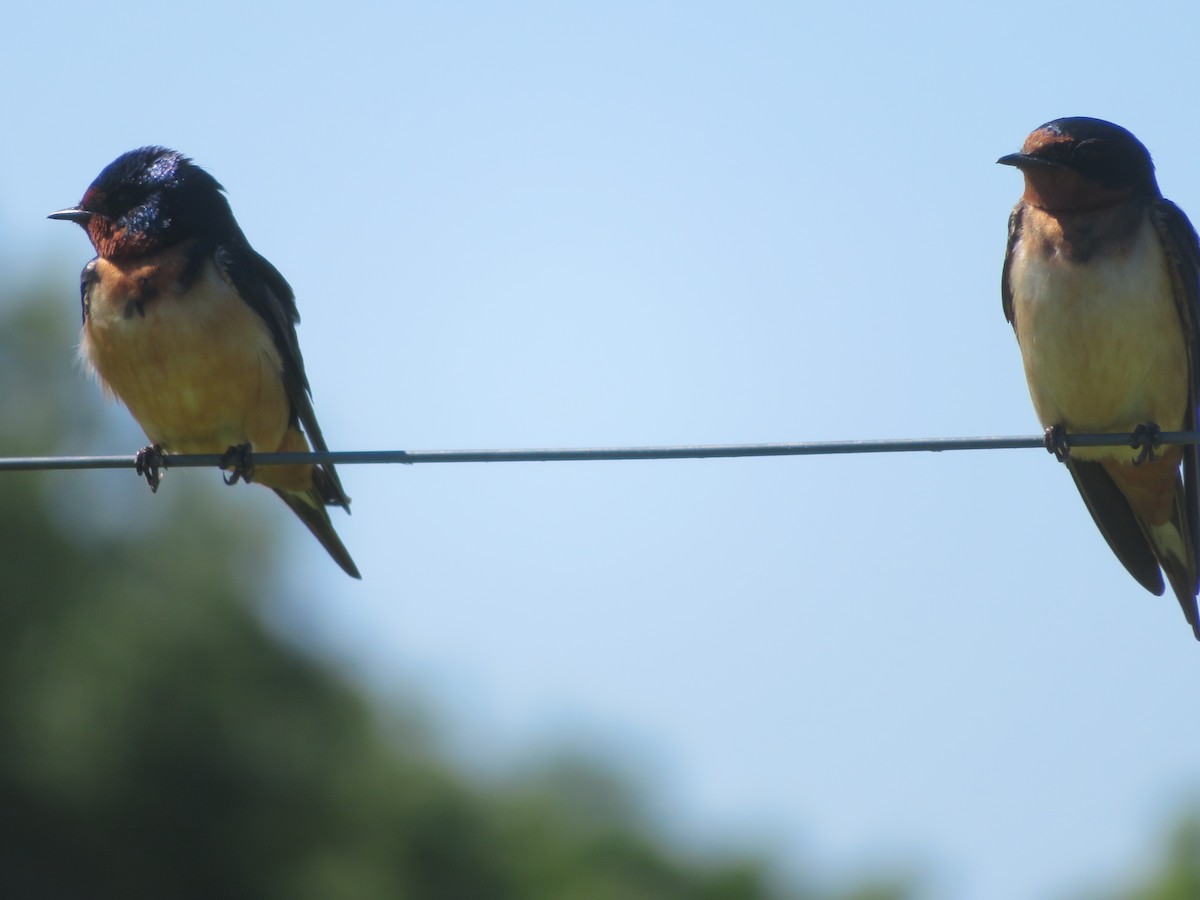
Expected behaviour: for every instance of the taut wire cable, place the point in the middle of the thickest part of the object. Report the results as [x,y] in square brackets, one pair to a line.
[593,454]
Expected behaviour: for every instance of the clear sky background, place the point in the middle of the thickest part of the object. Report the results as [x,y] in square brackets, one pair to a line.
[548,224]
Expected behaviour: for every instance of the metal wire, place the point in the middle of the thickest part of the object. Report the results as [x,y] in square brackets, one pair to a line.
[582,454]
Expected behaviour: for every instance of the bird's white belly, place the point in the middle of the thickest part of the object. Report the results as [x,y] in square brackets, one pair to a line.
[1102,341]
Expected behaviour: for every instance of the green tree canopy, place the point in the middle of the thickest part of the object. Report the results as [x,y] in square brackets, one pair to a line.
[159,741]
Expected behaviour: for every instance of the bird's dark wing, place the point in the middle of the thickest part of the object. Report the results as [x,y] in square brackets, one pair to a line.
[1014,232]
[1182,248]
[86,279]
[1115,519]
[267,292]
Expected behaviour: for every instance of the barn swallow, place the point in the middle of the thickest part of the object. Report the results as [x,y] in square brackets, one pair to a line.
[195,332]
[1101,283]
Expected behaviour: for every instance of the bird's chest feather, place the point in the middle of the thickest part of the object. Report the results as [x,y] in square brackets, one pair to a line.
[1101,338]
[195,365]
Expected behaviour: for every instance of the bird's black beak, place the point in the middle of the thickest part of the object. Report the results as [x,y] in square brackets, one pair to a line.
[1025,161]
[74,214]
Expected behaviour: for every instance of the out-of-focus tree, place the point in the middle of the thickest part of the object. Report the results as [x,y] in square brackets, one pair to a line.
[157,740]
[1176,875]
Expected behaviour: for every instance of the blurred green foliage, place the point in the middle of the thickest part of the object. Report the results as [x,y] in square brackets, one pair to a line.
[1175,875]
[157,740]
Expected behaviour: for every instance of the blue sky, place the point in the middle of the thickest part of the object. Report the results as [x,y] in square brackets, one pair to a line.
[650,223]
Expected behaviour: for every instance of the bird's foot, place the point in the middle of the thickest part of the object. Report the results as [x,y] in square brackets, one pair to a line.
[239,461]
[151,463]
[1148,438]
[1055,440]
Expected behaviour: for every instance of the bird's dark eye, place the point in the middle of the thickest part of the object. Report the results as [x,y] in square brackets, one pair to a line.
[1089,150]
[123,200]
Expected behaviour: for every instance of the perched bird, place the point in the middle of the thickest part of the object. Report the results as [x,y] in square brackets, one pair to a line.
[195,332]
[1101,283]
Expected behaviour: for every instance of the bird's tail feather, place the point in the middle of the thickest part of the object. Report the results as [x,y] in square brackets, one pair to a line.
[1125,499]
[309,506]
[1173,547]
[1115,518]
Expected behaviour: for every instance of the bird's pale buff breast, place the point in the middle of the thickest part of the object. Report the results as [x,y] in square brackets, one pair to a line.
[1101,339]
[198,369]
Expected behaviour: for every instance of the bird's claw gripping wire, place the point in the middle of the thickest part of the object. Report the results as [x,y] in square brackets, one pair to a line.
[151,463]
[239,462]
[1055,440]
[1149,438]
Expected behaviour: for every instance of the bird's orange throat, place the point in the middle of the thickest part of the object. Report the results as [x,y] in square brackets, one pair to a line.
[1061,190]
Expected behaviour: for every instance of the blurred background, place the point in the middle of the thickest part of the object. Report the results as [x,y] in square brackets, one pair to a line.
[538,225]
